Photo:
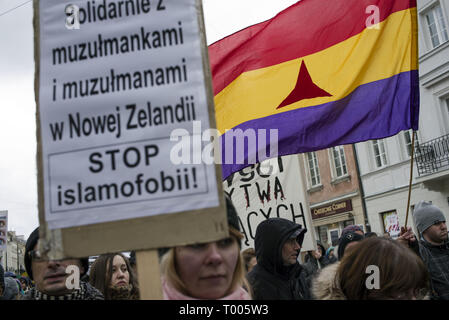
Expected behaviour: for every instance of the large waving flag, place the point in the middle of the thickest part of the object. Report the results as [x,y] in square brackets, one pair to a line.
[321,73]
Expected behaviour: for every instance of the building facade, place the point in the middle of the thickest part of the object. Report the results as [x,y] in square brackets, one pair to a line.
[333,192]
[385,163]
[13,257]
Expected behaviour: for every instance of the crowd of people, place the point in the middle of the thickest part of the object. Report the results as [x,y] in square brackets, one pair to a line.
[363,266]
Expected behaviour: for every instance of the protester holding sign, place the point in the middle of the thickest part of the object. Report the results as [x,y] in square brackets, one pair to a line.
[433,246]
[278,275]
[113,276]
[51,278]
[131,171]
[315,260]
[379,269]
[213,270]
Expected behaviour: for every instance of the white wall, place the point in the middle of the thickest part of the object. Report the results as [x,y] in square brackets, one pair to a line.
[387,188]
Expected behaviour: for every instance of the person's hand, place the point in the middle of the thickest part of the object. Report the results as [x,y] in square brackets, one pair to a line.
[406,236]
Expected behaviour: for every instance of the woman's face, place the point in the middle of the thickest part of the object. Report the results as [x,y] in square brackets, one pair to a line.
[120,273]
[207,269]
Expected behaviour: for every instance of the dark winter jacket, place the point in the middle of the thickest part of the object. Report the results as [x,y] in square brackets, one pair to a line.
[436,259]
[312,265]
[332,259]
[86,292]
[270,279]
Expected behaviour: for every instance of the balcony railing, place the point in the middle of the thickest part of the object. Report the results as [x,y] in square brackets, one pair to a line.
[432,156]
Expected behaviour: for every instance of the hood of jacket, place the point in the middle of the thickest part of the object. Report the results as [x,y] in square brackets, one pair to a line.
[325,287]
[428,245]
[271,235]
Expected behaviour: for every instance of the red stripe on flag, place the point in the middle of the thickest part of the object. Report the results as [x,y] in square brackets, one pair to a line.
[304,28]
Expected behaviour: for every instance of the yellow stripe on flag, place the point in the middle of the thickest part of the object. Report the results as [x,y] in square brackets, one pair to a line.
[372,55]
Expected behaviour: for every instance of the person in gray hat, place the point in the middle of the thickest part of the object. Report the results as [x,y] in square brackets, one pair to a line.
[433,246]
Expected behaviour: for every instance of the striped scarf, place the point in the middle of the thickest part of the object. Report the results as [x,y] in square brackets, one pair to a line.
[85,292]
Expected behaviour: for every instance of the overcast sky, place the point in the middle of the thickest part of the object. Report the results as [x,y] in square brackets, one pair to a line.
[18,183]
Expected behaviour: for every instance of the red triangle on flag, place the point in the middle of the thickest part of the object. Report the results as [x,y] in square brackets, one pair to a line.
[304,88]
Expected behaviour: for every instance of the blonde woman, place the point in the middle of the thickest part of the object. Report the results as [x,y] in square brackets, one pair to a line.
[213,270]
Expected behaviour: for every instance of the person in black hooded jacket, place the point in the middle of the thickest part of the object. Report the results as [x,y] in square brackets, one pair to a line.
[278,275]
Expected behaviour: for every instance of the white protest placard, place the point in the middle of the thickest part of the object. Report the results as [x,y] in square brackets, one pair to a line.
[3,229]
[391,223]
[116,78]
[270,189]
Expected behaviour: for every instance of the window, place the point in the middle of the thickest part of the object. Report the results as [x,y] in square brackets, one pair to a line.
[436,25]
[322,232]
[314,172]
[408,142]
[335,235]
[447,107]
[339,161]
[379,153]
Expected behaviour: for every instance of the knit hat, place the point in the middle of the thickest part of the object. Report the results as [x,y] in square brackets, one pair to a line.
[426,215]
[345,239]
[351,228]
[31,243]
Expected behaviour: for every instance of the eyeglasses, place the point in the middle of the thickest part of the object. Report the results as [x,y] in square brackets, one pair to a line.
[35,255]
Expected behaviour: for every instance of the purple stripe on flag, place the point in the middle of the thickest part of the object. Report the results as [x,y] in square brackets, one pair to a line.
[373,111]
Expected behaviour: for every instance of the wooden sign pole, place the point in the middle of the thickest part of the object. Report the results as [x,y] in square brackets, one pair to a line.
[411,179]
[149,275]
